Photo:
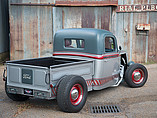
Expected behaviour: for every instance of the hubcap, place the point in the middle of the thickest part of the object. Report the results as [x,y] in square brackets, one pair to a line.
[137,76]
[76,94]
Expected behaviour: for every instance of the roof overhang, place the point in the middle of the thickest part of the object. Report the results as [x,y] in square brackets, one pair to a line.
[87,3]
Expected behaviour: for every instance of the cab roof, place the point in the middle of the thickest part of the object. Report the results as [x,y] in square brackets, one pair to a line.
[93,39]
[84,31]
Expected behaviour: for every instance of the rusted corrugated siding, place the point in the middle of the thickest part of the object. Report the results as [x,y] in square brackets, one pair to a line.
[46,34]
[82,17]
[16,39]
[139,40]
[88,18]
[140,47]
[31,31]
[152,40]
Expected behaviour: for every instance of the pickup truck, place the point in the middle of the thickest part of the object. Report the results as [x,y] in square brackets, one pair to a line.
[83,60]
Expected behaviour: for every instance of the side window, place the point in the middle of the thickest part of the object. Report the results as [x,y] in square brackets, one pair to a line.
[109,44]
[74,43]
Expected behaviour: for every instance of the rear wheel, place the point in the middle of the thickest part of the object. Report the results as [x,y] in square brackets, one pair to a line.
[15,97]
[72,93]
[136,75]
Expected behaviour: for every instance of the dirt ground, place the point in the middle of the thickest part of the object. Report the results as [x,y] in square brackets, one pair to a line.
[133,102]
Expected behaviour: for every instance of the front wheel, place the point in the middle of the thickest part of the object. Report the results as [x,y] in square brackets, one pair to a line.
[136,75]
[72,93]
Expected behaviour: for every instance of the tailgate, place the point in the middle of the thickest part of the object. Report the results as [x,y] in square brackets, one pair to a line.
[25,79]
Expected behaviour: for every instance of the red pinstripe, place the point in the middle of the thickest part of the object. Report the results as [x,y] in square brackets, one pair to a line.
[100,81]
[89,56]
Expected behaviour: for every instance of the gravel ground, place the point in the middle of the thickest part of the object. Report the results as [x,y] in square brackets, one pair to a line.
[133,102]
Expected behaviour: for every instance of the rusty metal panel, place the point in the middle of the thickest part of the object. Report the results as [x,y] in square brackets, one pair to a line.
[86,3]
[31,31]
[16,39]
[141,47]
[46,34]
[152,40]
[82,17]
[105,16]
[123,31]
[126,33]
[139,40]
[71,17]
[88,18]
[32,27]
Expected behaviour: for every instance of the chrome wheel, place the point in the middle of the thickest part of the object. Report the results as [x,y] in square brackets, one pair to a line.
[76,94]
[137,76]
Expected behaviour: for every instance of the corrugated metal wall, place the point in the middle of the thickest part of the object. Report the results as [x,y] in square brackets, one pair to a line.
[4,31]
[82,17]
[140,48]
[31,30]
[32,26]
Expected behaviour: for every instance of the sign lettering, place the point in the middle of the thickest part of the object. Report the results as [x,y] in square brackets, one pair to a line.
[137,8]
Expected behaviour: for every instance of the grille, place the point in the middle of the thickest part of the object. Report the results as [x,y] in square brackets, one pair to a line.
[105,109]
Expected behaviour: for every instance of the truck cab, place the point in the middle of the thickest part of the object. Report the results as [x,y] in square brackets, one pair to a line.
[92,44]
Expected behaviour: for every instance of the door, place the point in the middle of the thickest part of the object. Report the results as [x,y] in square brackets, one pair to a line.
[107,69]
[111,61]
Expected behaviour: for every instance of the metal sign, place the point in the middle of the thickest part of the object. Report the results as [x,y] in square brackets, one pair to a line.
[137,8]
[143,27]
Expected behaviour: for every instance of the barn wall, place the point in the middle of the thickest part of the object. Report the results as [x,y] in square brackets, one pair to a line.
[140,47]
[31,30]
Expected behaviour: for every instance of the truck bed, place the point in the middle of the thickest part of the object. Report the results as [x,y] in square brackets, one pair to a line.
[36,75]
[45,62]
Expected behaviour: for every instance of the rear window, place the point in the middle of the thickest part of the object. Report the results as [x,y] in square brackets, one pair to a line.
[74,43]
[109,44]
